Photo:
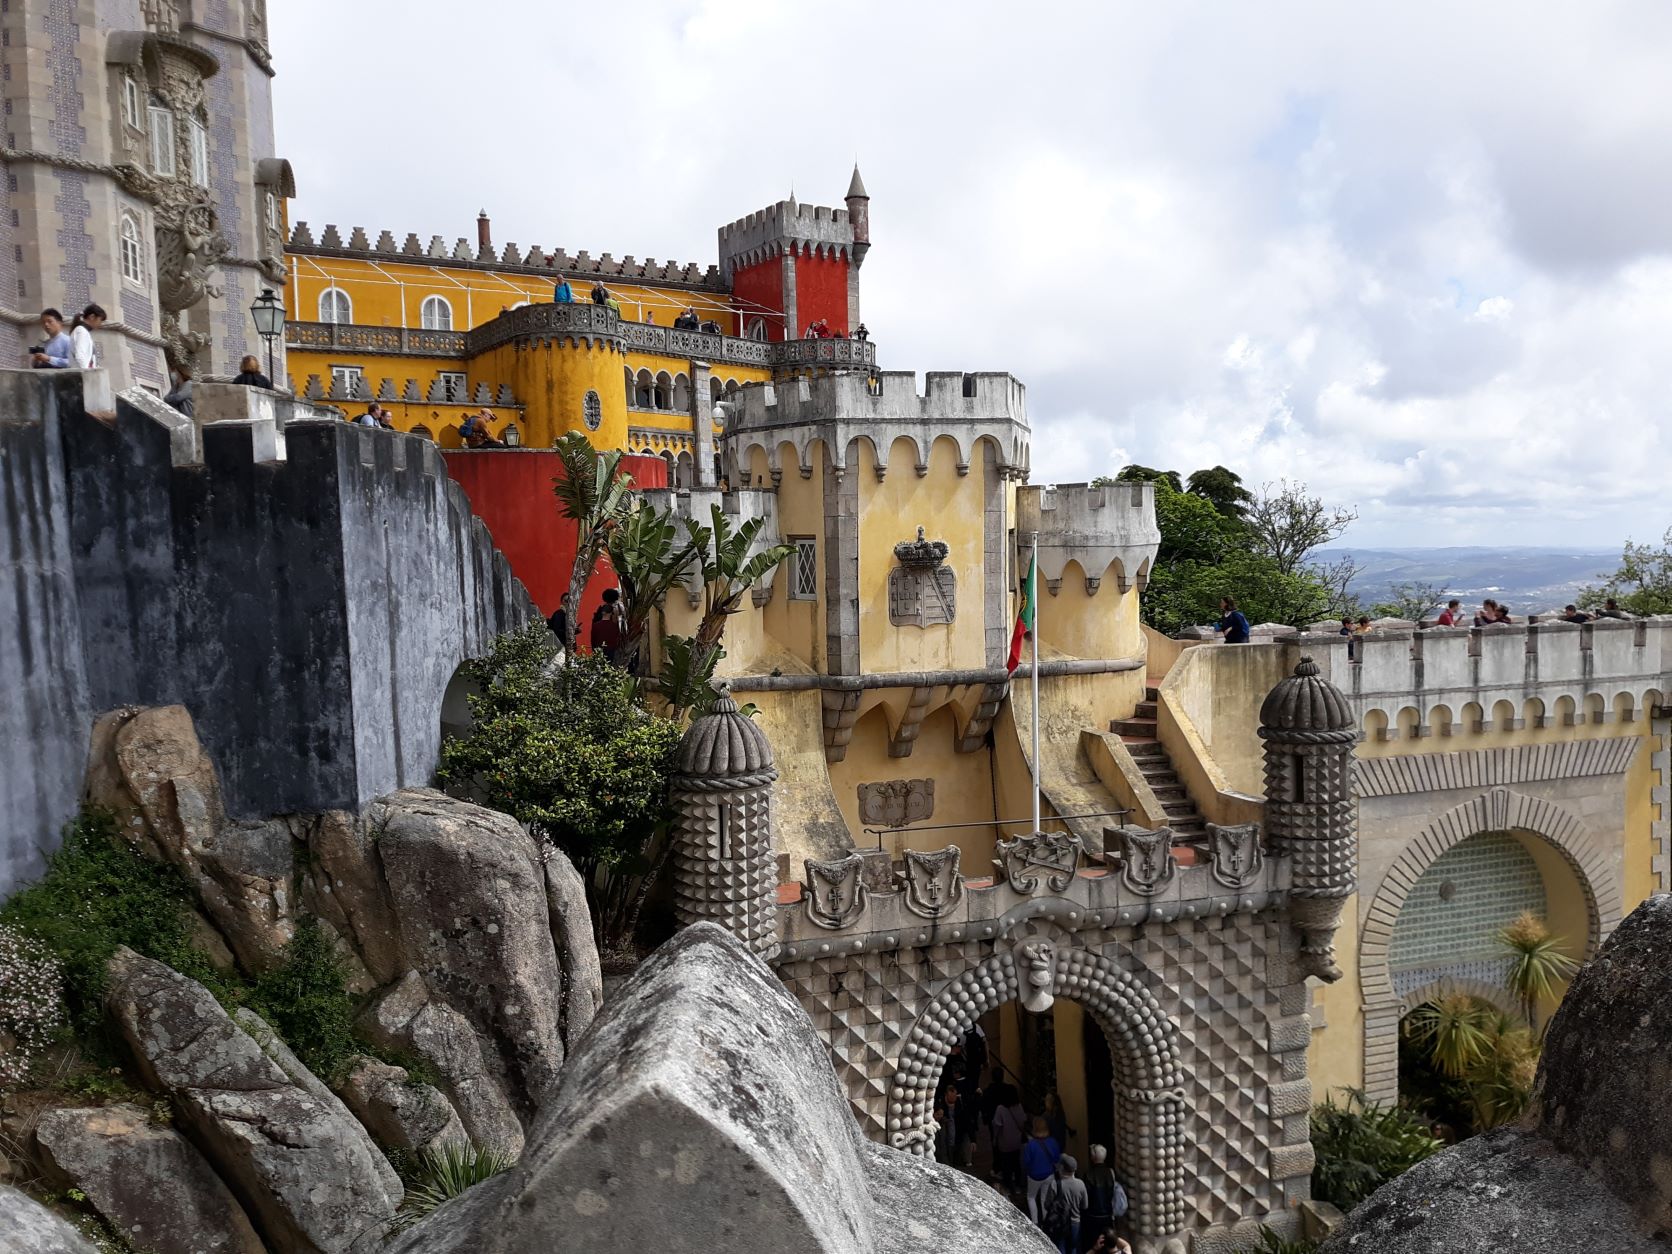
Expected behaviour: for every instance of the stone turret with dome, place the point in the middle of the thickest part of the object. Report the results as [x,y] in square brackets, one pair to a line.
[1309,733]
[725,871]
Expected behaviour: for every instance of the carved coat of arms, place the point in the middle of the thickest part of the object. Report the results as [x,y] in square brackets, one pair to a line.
[1236,853]
[1048,857]
[835,891]
[933,884]
[897,802]
[1147,864]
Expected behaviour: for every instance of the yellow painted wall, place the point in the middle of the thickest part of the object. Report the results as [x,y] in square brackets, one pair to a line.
[948,506]
[1335,1059]
[1075,623]
[963,781]
[798,627]
[1069,1031]
[391,293]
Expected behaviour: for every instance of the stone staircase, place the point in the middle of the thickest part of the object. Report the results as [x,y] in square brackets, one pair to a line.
[1142,742]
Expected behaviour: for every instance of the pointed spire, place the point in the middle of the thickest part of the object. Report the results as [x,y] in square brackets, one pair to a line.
[856,186]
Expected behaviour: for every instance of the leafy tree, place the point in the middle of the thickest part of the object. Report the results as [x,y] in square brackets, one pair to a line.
[1223,489]
[1288,525]
[1456,1031]
[1414,601]
[1643,582]
[1360,1146]
[1144,474]
[1538,963]
[567,750]
[593,493]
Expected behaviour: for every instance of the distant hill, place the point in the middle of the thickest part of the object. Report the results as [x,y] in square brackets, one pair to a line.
[1526,579]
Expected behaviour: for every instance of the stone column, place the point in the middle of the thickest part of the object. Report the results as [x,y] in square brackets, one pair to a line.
[702,425]
[1311,817]
[725,870]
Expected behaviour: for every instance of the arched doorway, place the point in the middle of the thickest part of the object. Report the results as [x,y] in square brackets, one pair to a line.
[1581,896]
[1148,1101]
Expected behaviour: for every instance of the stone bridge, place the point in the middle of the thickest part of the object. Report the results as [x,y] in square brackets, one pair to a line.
[306,588]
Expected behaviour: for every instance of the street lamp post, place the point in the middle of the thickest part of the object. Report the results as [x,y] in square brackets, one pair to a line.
[268,315]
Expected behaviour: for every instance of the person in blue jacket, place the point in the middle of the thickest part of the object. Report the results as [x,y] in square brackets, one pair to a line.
[1039,1161]
[1232,622]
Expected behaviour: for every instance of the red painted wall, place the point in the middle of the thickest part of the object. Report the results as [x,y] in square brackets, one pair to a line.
[511,491]
[821,291]
[763,284]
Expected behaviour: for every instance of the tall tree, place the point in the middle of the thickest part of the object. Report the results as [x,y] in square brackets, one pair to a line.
[1288,523]
[1412,600]
[1223,489]
[1144,474]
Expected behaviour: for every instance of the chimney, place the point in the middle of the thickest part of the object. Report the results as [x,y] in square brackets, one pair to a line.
[484,232]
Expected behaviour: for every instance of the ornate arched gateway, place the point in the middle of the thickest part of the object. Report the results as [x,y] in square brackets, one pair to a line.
[1494,810]
[1143,1043]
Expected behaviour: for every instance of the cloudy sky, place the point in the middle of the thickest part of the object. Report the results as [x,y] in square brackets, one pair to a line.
[1417,255]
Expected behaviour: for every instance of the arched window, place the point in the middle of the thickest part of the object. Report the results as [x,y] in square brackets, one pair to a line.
[592,409]
[162,139]
[199,154]
[133,250]
[757,328]
[334,306]
[437,314]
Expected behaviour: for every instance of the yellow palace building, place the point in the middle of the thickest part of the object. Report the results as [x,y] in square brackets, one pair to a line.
[436,333]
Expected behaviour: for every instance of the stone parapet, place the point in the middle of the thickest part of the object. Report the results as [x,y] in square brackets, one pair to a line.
[373,341]
[1095,527]
[1606,670]
[991,908]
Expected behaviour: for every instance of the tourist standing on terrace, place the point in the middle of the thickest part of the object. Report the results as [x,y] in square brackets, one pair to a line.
[250,376]
[1232,622]
[1449,616]
[563,294]
[84,349]
[55,353]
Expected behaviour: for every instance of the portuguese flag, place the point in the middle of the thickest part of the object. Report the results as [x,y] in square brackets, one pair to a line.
[1024,617]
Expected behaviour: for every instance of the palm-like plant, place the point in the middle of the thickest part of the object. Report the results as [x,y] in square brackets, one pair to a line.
[1538,963]
[1360,1146]
[649,559]
[447,1171]
[594,493]
[1501,1083]
[1456,1031]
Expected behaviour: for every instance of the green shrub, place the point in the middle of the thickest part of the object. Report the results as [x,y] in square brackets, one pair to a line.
[1360,1146]
[99,893]
[305,1001]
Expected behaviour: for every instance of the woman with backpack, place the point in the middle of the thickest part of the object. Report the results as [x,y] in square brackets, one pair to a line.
[608,626]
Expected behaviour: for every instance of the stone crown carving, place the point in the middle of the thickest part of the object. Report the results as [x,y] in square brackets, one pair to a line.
[920,554]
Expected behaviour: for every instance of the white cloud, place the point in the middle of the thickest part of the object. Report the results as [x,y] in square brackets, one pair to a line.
[1417,255]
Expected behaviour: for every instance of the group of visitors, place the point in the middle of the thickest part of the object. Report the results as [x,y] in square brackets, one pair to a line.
[69,347]
[609,625]
[602,295]
[1029,1164]
[1234,626]
[375,416]
[183,388]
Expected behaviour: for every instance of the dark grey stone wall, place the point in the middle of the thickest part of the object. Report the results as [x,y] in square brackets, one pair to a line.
[44,705]
[308,612]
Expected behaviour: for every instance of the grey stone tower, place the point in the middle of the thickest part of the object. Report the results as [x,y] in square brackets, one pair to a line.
[1310,731]
[724,869]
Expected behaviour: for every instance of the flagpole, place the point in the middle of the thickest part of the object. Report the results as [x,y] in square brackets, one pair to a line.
[1033,597]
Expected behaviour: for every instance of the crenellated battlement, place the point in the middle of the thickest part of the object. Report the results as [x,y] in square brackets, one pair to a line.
[786,227]
[881,408]
[533,260]
[1093,526]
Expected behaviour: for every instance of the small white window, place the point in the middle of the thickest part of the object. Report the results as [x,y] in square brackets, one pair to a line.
[334,306]
[133,250]
[454,388]
[346,382]
[437,314]
[592,410]
[273,223]
[162,142]
[133,109]
[804,572]
[200,152]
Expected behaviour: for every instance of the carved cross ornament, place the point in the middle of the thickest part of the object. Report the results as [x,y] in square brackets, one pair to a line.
[1236,853]
[834,893]
[933,883]
[1147,864]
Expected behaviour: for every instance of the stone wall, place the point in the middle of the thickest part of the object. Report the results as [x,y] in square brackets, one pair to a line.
[307,590]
